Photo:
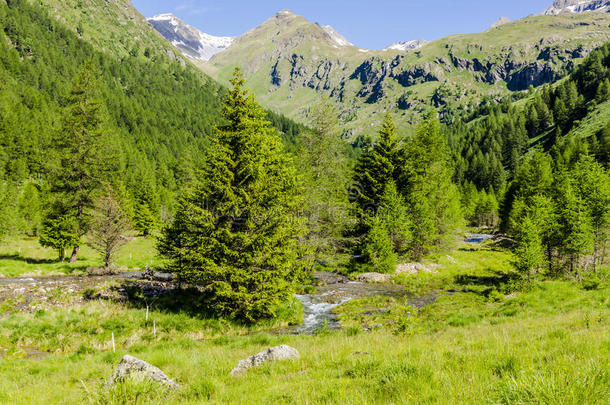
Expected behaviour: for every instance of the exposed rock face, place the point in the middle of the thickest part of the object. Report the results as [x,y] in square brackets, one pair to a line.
[293,63]
[282,352]
[577,6]
[139,369]
[373,278]
[190,41]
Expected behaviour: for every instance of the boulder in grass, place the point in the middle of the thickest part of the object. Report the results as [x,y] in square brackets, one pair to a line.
[141,370]
[282,352]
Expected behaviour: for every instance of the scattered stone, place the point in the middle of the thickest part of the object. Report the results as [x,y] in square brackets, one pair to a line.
[282,352]
[360,354]
[139,369]
[373,278]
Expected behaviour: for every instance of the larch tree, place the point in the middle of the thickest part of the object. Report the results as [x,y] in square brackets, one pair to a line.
[108,226]
[235,230]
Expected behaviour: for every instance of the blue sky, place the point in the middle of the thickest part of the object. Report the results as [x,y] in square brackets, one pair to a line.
[369,24]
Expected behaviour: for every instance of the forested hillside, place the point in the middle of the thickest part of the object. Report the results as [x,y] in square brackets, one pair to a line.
[539,168]
[158,112]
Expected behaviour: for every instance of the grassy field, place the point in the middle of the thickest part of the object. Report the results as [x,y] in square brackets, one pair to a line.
[491,340]
[25,257]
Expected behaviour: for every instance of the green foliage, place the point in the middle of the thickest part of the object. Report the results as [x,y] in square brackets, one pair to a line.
[144,219]
[235,230]
[376,248]
[324,168]
[59,232]
[393,212]
[378,164]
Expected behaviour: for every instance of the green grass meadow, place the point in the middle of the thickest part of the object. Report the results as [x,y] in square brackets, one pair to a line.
[491,340]
[25,257]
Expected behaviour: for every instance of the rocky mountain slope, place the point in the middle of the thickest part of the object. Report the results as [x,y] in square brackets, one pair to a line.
[291,63]
[577,6]
[190,41]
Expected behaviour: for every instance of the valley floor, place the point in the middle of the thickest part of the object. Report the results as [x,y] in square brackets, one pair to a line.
[486,339]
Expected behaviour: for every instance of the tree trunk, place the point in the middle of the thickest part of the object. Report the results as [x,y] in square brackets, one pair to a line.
[61,254]
[74,256]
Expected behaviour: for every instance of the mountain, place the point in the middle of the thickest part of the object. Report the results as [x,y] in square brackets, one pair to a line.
[291,63]
[406,45]
[189,40]
[577,6]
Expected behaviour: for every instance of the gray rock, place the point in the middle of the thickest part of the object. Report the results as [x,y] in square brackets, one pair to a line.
[139,369]
[373,278]
[282,352]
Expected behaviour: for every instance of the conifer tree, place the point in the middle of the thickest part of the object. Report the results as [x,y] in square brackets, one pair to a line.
[109,225]
[593,183]
[324,168]
[393,212]
[30,208]
[234,232]
[377,166]
[425,183]
[376,250]
[574,222]
[58,232]
[84,160]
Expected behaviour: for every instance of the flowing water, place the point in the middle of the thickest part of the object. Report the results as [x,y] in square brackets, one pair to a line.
[336,290]
[479,238]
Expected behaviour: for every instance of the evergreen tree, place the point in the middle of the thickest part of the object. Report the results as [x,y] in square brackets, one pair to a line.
[235,231]
[529,250]
[9,214]
[593,184]
[575,225]
[324,168]
[393,213]
[59,232]
[426,186]
[376,167]
[30,208]
[376,248]
[144,219]
[84,158]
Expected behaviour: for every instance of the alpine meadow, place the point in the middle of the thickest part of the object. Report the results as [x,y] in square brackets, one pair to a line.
[285,217]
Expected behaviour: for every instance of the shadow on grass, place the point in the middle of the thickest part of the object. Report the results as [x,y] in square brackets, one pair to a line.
[168,297]
[28,260]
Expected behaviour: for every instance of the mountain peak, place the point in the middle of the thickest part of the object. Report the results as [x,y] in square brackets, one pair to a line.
[577,6]
[190,41]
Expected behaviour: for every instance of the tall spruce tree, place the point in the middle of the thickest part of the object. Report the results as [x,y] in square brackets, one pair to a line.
[377,166]
[235,230]
[84,159]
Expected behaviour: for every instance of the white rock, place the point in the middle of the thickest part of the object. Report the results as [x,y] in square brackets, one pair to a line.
[139,369]
[282,352]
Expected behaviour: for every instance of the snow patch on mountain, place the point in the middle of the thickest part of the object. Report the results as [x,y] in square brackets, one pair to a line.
[335,37]
[577,6]
[192,42]
[407,45]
